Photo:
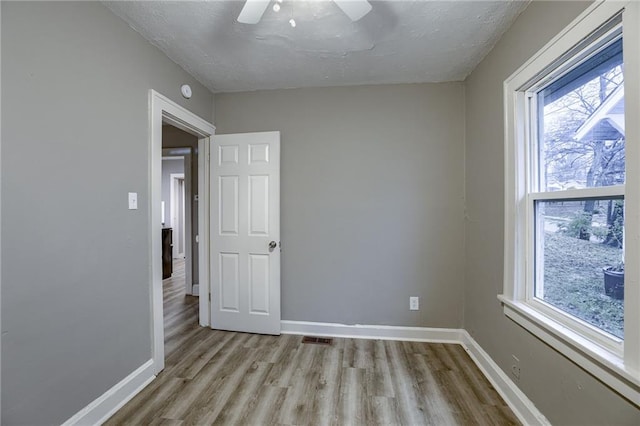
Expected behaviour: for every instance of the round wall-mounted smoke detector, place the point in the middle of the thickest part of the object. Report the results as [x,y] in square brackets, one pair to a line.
[186,91]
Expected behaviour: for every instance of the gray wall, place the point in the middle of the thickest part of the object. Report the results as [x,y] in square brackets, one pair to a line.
[170,167]
[172,137]
[371,199]
[561,390]
[75,279]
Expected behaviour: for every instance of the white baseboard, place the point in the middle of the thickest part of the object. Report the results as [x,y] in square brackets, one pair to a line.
[112,400]
[383,332]
[195,290]
[521,406]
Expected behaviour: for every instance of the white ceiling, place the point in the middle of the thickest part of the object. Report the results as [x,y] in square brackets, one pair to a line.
[397,42]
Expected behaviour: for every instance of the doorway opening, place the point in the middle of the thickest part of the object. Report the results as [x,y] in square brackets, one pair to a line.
[180,231]
[180,171]
[189,282]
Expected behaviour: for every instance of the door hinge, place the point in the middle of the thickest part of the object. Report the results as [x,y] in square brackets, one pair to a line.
[209,297]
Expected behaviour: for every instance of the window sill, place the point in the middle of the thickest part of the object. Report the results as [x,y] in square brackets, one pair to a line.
[606,366]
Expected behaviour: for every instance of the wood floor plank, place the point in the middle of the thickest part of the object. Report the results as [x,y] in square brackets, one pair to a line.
[198,392]
[481,387]
[378,375]
[193,362]
[148,413]
[409,409]
[353,407]
[303,382]
[265,408]
[219,377]
[141,402]
[384,411]
[158,421]
[432,397]
[327,393]
[244,398]
[284,360]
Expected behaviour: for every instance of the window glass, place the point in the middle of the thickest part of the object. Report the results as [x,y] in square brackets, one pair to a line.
[581,124]
[579,260]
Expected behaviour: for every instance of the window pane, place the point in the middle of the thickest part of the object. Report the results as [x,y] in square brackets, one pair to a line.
[579,260]
[582,125]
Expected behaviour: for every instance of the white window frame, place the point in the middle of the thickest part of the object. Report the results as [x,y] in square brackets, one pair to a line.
[613,361]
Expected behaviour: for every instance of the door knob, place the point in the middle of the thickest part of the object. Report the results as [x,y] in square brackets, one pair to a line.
[272,245]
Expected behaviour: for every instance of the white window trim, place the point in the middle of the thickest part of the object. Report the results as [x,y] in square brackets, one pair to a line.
[616,364]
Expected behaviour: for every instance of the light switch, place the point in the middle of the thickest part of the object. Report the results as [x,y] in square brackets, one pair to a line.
[133,201]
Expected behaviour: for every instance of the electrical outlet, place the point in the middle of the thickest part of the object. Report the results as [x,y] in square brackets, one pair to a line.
[515,368]
[414,303]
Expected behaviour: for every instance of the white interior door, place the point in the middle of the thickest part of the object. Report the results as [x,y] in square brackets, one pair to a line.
[245,232]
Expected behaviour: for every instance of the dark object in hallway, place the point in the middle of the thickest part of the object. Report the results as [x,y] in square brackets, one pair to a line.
[167,252]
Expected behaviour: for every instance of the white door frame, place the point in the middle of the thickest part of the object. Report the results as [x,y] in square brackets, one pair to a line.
[181,226]
[188,202]
[162,109]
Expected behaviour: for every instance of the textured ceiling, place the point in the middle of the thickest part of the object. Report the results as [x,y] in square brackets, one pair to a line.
[397,42]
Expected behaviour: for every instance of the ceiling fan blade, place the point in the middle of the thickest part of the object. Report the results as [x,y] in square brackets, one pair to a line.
[253,11]
[354,9]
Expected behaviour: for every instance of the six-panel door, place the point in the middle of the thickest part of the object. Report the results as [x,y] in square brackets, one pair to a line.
[245,220]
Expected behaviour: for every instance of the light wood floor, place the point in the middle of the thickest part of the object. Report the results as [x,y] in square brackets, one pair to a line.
[218,377]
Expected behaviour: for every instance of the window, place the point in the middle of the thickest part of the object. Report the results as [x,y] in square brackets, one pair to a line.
[571,195]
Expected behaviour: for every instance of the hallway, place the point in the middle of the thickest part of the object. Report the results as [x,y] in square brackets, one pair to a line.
[180,311]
